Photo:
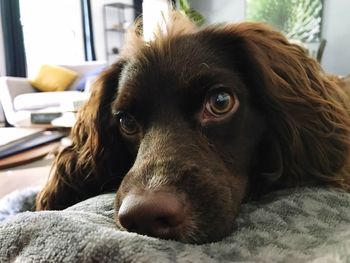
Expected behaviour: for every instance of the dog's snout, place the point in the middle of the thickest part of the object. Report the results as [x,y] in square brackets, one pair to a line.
[159,214]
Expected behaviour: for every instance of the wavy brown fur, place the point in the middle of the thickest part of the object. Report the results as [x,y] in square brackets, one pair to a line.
[86,168]
[307,112]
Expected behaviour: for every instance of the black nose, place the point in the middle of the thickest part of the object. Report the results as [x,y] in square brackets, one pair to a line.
[158,214]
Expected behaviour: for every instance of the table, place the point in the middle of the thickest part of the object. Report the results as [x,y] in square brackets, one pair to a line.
[28,168]
[28,156]
[25,145]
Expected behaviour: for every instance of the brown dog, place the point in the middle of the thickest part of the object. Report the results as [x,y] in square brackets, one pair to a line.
[188,126]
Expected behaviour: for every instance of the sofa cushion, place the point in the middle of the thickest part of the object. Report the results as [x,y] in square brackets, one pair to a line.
[85,80]
[41,100]
[53,78]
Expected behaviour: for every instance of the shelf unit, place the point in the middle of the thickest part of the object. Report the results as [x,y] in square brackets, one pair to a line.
[118,17]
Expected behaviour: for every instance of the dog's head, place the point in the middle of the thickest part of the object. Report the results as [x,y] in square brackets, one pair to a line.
[188,125]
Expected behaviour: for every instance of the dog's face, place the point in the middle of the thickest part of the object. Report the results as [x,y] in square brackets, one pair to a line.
[187,126]
[187,117]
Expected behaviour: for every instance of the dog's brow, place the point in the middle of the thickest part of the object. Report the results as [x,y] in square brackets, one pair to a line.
[128,72]
[122,101]
[209,76]
[125,94]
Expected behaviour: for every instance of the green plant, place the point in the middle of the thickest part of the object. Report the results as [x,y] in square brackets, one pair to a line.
[194,15]
[298,19]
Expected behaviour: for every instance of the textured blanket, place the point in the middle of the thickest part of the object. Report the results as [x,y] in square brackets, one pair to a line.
[303,225]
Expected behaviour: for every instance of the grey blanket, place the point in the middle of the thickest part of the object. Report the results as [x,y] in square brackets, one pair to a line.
[303,225]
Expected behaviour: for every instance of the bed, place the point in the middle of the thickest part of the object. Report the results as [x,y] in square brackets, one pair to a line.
[305,224]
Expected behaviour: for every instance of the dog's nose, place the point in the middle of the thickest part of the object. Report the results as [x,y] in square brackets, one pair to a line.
[158,214]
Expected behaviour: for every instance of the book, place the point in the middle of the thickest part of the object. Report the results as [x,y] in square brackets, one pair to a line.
[29,142]
[10,135]
[44,117]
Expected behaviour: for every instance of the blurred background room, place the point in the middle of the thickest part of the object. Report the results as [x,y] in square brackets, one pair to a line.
[52,50]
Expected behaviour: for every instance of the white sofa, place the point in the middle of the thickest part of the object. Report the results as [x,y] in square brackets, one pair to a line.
[19,99]
[2,116]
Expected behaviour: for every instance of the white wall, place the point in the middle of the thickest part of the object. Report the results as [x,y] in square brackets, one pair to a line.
[336,30]
[336,27]
[59,40]
[218,11]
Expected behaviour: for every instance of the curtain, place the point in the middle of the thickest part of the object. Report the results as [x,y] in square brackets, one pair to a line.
[15,59]
[138,8]
[88,31]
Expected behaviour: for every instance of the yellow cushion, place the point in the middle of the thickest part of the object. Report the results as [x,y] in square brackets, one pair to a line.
[53,78]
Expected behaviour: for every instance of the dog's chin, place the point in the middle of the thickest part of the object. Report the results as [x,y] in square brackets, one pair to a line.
[200,236]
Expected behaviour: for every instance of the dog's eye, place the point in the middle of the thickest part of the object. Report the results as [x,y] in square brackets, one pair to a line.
[127,124]
[219,103]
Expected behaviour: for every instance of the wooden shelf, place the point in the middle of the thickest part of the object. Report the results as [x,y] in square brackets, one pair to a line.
[119,5]
[120,30]
[117,19]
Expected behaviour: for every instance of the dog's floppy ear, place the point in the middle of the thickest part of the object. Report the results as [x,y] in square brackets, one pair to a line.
[97,160]
[307,114]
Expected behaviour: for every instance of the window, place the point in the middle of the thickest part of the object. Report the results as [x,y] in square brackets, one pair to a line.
[52,32]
